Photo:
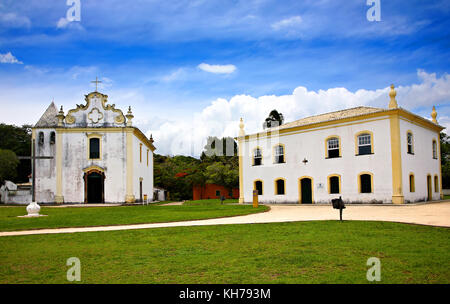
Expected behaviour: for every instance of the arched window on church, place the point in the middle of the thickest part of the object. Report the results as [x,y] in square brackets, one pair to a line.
[41,138]
[410,142]
[258,185]
[52,138]
[280,186]
[94,148]
[434,149]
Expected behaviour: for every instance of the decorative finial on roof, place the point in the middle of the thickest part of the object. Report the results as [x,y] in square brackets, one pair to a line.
[129,116]
[151,138]
[241,127]
[434,115]
[393,103]
[60,117]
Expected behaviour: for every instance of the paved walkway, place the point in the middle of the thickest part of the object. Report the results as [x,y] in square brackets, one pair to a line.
[434,214]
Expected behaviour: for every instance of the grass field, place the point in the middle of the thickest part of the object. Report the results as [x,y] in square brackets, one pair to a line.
[101,216]
[303,252]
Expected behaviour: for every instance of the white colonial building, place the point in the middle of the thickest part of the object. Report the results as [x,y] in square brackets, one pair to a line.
[98,156]
[363,154]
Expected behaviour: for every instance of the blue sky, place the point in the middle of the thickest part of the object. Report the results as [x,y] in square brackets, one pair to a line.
[149,56]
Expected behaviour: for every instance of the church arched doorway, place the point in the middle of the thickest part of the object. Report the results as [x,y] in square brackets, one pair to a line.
[94,187]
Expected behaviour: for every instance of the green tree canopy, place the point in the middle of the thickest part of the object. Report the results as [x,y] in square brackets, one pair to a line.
[8,165]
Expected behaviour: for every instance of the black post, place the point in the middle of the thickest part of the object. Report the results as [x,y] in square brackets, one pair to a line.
[340,213]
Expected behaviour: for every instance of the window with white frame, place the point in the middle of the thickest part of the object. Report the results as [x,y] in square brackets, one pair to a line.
[364,144]
[434,149]
[333,147]
[279,154]
[257,157]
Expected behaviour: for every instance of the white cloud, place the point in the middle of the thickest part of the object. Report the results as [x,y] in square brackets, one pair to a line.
[287,23]
[217,69]
[9,58]
[221,118]
[13,20]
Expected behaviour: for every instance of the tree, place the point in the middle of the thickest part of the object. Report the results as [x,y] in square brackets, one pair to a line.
[8,165]
[18,140]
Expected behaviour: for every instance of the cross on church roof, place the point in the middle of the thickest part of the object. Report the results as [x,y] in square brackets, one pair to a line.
[96,83]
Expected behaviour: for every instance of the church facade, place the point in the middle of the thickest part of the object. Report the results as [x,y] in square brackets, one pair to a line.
[98,156]
[363,154]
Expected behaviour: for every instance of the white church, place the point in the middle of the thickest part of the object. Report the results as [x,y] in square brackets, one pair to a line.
[98,156]
[363,154]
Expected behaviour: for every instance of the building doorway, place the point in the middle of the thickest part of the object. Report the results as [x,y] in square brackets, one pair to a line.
[429,188]
[306,191]
[94,187]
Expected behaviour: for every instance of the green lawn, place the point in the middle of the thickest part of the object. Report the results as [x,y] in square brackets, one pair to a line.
[302,252]
[101,216]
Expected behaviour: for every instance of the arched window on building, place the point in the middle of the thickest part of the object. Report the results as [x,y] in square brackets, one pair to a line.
[412,183]
[280,186]
[257,157]
[41,138]
[258,185]
[365,143]
[333,147]
[279,154]
[434,149]
[365,183]
[52,138]
[334,184]
[410,142]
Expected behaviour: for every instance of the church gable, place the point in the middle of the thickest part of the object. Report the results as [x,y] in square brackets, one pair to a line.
[95,113]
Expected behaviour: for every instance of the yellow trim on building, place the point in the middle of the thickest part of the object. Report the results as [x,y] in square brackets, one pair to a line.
[241,170]
[129,198]
[300,188]
[93,167]
[396,158]
[100,140]
[329,184]
[371,141]
[440,170]
[371,181]
[382,115]
[262,185]
[59,198]
[429,187]
[140,152]
[276,188]
[326,144]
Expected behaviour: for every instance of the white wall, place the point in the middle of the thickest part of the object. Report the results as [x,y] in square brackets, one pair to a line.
[421,163]
[45,168]
[141,170]
[310,144]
